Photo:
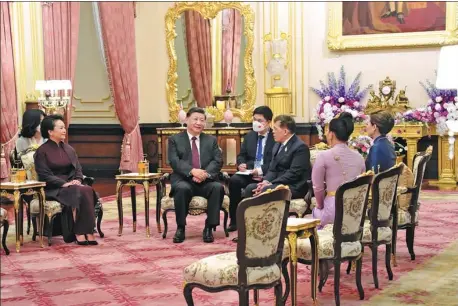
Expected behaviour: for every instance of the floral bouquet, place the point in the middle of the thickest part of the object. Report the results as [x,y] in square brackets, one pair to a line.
[336,98]
[362,144]
[440,101]
[420,114]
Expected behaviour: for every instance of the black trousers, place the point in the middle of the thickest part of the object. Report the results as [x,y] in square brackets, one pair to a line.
[182,193]
[236,184]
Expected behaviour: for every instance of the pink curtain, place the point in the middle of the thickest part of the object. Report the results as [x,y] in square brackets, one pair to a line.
[198,45]
[231,41]
[60,40]
[9,115]
[118,32]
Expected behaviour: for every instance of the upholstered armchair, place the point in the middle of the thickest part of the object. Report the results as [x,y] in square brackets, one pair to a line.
[197,206]
[4,223]
[408,219]
[378,228]
[257,262]
[342,240]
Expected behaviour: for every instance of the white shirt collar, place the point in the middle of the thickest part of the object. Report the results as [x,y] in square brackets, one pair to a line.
[190,136]
[286,141]
[265,135]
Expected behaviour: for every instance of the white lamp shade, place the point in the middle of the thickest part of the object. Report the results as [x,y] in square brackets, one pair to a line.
[66,84]
[447,68]
[40,85]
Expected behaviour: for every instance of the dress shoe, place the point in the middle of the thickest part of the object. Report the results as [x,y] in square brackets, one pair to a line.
[207,235]
[84,242]
[179,235]
[232,228]
[92,242]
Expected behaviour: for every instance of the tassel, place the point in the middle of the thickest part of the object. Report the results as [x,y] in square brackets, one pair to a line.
[3,164]
[126,150]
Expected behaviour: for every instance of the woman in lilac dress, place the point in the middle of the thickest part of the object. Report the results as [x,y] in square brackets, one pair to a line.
[334,167]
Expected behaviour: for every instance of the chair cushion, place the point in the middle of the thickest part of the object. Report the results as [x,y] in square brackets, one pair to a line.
[384,233]
[222,270]
[298,206]
[3,215]
[404,217]
[51,207]
[325,247]
[196,203]
[405,180]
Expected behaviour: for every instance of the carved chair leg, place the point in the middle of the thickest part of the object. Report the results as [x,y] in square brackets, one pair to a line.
[284,270]
[34,228]
[388,262]
[99,221]
[243,297]
[359,265]
[27,207]
[374,265]
[278,297]
[324,273]
[349,267]
[226,215]
[410,237]
[337,282]
[5,233]
[50,227]
[256,297]
[187,292]
[164,219]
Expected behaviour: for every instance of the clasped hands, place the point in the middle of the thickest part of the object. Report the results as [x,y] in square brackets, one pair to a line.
[73,182]
[261,186]
[199,175]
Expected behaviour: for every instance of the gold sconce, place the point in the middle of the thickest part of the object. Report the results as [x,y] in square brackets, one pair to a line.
[277,57]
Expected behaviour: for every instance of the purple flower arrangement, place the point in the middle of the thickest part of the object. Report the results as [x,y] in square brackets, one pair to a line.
[415,115]
[336,98]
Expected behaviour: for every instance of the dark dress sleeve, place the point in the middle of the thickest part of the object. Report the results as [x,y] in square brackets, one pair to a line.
[44,172]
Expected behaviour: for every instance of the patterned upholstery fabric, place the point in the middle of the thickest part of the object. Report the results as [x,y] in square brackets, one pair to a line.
[313,155]
[222,270]
[353,209]
[298,206]
[325,247]
[405,180]
[29,165]
[51,207]
[383,233]
[3,215]
[263,228]
[386,196]
[404,217]
[196,203]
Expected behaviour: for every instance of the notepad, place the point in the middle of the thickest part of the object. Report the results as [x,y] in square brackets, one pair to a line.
[246,172]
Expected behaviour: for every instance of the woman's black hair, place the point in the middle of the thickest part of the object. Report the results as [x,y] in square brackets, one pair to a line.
[342,126]
[30,120]
[48,124]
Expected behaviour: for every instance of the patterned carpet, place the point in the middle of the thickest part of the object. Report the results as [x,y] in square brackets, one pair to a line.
[135,270]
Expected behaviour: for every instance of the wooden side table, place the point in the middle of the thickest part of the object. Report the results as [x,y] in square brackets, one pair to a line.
[17,190]
[302,228]
[145,180]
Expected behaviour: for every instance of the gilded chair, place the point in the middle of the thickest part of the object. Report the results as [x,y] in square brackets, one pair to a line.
[378,228]
[197,206]
[257,262]
[341,241]
[4,223]
[408,219]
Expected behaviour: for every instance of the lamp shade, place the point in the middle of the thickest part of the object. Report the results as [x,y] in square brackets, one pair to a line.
[447,68]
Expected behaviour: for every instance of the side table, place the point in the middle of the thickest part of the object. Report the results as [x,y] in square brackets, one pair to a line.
[17,190]
[145,180]
[302,228]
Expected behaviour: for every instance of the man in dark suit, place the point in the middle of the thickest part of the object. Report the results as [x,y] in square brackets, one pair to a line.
[196,161]
[255,155]
[290,163]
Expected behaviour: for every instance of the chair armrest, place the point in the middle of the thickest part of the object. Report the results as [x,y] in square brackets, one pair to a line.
[405,190]
[87,180]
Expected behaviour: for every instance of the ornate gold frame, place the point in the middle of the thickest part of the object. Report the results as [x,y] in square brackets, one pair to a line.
[336,41]
[209,10]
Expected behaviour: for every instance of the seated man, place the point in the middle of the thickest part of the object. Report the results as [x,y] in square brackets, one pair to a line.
[290,163]
[255,154]
[196,162]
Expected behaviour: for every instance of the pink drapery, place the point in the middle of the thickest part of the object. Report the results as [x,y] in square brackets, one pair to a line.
[231,41]
[198,45]
[118,32]
[60,41]
[9,115]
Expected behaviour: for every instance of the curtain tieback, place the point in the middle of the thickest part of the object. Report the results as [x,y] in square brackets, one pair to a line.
[126,149]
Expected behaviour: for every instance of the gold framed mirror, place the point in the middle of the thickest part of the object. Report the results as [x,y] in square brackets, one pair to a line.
[230,82]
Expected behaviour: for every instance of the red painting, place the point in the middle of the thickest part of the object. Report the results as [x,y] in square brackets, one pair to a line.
[392,17]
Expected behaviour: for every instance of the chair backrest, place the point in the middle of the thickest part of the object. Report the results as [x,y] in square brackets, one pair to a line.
[384,191]
[261,236]
[351,204]
[419,166]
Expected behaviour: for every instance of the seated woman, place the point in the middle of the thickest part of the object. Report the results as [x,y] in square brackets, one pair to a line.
[57,164]
[382,155]
[30,139]
[334,167]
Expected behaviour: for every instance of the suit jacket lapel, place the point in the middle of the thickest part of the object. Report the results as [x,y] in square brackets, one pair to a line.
[254,149]
[187,146]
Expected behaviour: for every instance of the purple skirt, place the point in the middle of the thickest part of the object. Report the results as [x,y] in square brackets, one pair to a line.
[327,213]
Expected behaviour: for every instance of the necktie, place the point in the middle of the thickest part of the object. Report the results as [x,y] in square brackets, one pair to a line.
[195,154]
[281,149]
[259,153]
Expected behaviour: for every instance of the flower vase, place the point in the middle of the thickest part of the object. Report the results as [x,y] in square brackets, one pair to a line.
[182,116]
[228,116]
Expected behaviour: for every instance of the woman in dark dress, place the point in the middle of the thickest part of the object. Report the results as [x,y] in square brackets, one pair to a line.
[57,164]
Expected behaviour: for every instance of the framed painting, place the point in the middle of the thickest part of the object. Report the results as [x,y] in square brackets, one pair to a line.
[357,25]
